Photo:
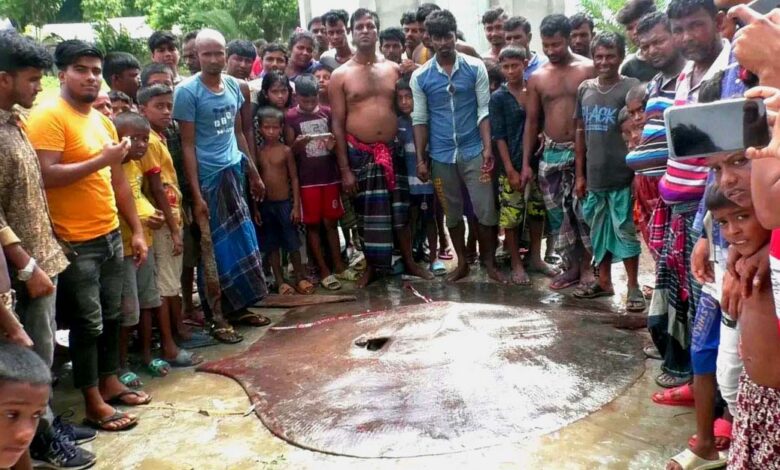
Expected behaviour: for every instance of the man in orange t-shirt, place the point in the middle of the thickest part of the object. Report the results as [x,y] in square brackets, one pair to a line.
[81,168]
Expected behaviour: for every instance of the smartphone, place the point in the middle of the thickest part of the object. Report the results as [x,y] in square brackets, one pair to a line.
[319,136]
[763,6]
[727,126]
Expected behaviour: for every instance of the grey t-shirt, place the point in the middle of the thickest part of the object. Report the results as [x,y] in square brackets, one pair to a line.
[606,152]
[329,58]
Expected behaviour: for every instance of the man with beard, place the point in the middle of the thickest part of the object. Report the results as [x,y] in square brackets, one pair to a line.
[451,97]
[391,44]
[188,53]
[85,185]
[552,93]
[582,28]
[362,98]
[424,51]
[493,25]
[217,163]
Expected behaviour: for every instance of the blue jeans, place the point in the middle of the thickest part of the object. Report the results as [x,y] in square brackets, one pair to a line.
[90,291]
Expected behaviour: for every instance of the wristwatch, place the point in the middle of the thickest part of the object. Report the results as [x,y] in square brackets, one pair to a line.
[26,273]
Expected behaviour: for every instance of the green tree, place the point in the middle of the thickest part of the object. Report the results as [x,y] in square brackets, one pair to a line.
[101,10]
[30,12]
[604,12]
[247,19]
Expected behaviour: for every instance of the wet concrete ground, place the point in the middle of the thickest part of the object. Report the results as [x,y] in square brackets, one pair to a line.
[197,421]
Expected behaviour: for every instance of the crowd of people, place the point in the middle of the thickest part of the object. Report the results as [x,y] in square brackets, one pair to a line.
[270,167]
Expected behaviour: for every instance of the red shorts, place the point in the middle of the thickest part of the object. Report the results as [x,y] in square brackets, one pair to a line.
[321,202]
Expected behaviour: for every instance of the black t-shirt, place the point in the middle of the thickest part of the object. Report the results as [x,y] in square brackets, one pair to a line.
[637,68]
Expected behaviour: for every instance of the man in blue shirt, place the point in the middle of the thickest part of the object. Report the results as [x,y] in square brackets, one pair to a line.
[451,100]
[215,150]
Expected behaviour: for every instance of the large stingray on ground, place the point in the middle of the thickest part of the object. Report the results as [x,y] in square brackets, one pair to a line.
[432,378]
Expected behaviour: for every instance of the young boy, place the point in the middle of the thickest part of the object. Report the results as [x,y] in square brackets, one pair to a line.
[322,74]
[422,206]
[156,104]
[603,182]
[120,102]
[156,74]
[756,438]
[507,115]
[25,385]
[278,214]
[140,295]
[307,127]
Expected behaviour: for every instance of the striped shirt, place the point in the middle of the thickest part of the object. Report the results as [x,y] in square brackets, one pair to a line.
[649,157]
[685,181]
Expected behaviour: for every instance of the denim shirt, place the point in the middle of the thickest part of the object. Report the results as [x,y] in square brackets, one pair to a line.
[452,107]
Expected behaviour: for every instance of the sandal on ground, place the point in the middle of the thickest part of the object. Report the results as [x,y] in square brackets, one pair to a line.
[130,379]
[158,368]
[286,289]
[226,335]
[560,284]
[592,291]
[438,268]
[304,287]
[185,359]
[445,254]
[635,302]
[348,274]
[666,380]
[687,460]
[118,399]
[103,423]
[331,283]
[721,429]
[199,339]
[251,319]
[651,352]
[679,396]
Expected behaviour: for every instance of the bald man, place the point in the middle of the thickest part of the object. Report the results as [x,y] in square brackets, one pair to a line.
[207,107]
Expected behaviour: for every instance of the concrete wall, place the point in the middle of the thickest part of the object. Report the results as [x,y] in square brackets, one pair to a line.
[467,12]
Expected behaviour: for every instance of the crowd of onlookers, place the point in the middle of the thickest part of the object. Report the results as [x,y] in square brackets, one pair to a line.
[333,159]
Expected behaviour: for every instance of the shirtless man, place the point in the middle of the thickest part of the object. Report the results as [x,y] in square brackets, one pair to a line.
[424,51]
[362,97]
[552,93]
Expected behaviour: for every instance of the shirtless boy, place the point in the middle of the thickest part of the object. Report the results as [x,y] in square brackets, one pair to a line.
[552,93]
[362,98]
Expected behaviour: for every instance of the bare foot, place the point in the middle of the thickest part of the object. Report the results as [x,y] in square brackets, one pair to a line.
[365,278]
[460,272]
[520,277]
[413,269]
[540,266]
[496,275]
[565,279]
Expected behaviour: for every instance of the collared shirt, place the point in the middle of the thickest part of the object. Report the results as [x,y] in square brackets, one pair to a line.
[685,181]
[537,60]
[507,118]
[452,107]
[24,214]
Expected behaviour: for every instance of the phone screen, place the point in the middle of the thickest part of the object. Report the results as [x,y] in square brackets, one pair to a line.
[715,128]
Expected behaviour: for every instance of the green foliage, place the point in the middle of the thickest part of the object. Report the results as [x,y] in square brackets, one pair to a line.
[101,10]
[30,12]
[108,39]
[604,12]
[246,19]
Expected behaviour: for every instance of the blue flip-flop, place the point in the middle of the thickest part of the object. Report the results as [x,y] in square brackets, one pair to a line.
[438,268]
[199,339]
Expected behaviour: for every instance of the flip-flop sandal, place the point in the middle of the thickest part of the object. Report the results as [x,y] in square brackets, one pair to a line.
[678,396]
[348,274]
[563,285]
[635,301]
[438,268]
[101,424]
[226,335]
[721,428]
[304,287]
[687,460]
[131,379]
[286,289]
[445,254]
[185,359]
[199,339]
[251,319]
[331,283]
[667,380]
[116,400]
[592,291]
[158,368]
[652,352]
